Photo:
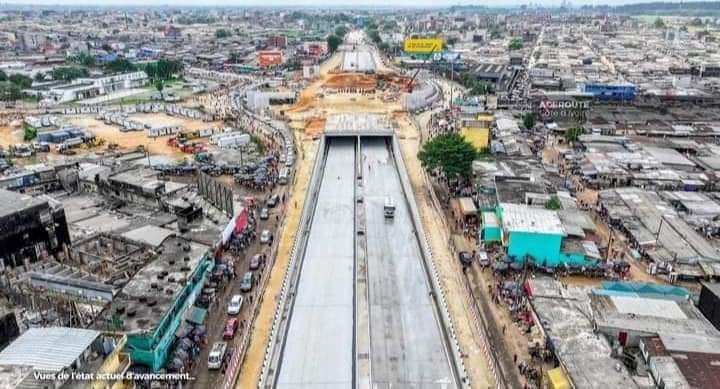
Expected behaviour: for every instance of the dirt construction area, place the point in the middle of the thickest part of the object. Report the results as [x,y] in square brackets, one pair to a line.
[132,139]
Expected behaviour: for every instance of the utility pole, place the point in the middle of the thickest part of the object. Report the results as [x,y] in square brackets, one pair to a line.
[657,234]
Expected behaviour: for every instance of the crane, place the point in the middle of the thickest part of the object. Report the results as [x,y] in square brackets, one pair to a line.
[409,87]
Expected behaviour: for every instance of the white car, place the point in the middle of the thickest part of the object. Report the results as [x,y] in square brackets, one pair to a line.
[265,236]
[235,305]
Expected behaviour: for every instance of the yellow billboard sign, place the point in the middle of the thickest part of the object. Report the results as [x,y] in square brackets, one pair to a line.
[423,45]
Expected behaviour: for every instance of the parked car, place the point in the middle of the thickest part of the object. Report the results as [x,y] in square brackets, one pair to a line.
[273,200]
[265,236]
[264,214]
[247,282]
[235,305]
[255,262]
[484,259]
[231,328]
[216,355]
[465,258]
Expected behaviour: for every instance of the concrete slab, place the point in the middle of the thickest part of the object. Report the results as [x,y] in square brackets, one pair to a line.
[407,345]
[319,343]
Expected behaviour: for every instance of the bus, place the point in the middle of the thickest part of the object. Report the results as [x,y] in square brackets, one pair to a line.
[389,208]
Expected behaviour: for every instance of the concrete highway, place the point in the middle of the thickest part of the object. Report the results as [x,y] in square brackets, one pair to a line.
[406,342]
[359,60]
[363,314]
[318,348]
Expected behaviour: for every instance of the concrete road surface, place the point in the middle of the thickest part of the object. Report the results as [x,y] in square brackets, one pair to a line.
[319,344]
[407,349]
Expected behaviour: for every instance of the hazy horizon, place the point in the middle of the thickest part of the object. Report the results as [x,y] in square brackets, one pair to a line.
[318,3]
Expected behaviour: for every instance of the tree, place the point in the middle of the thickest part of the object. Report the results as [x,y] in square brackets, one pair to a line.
[120,65]
[21,80]
[572,134]
[221,33]
[659,23]
[68,73]
[39,77]
[515,44]
[333,42]
[480,87]
[10,91]
[159,85]
[3,76]
[450,153]
[106,47]
[29,132]
[696,22]
[83,59]
[553,203]
[163,69]
[529,120]
[340,31]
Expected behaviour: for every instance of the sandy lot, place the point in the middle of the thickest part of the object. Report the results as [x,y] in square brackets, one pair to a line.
[130,140]
[10,135]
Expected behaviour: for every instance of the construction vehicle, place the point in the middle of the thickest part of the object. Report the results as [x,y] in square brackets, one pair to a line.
[93,142]
[409,86]
[64,147]
[192,148]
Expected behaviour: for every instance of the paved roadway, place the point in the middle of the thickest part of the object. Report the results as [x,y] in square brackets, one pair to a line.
[359,60]
[407,347]
[318,352]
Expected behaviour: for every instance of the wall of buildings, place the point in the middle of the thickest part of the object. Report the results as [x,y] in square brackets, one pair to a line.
[151,349]
[543,248]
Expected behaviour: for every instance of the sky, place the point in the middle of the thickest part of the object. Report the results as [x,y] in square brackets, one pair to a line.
[318,3]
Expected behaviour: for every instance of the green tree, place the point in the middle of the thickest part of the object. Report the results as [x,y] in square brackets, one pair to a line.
[529,120]
[450,153]
[163,69]
[572,134]
[21,80]
[553,203]
[221,33]
[83,59]
[341,31]
[120,65]
[10,91]
[159,85]
[516,44]
[68,73]
[333,42]
[482,88]
[659,23]
[29,132]
[3,76]
[39,77]
[374,36]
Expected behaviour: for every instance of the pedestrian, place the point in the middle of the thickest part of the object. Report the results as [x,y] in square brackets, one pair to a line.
[504,327]
[514,358]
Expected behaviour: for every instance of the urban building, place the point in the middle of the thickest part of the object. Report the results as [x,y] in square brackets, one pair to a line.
[30,228]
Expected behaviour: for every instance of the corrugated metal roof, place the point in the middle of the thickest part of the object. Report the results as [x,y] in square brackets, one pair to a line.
[48,349]
[522,218]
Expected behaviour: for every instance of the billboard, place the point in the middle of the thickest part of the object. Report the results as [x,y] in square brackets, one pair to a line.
[269,58]
[423,45]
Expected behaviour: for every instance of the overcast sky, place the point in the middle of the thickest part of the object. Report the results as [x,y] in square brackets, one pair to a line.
[318,3]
